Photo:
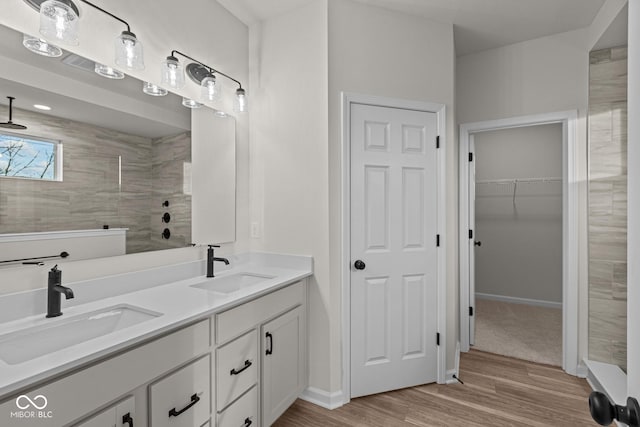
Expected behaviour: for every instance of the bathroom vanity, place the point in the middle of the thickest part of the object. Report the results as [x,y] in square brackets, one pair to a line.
[225,351]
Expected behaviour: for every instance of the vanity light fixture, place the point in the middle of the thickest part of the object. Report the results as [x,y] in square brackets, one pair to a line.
[59,20]
[207,77]
[190,103]
[241,103]
[153,90]
[40,46]
[108,72]
[172,73]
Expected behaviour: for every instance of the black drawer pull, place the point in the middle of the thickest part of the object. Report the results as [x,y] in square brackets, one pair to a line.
[247,364]
[247,422]
[270,338]
[126,419]
[194,399]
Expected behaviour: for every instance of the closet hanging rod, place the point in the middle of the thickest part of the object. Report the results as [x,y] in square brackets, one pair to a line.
[520,180]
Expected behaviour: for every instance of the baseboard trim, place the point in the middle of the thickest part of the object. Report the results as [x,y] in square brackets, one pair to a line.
[516,300]
[323,398]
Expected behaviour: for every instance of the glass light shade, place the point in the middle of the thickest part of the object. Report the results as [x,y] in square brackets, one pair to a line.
[190,103]
[241,104]
[41,47]
[59,21]
[108,72]
[211,88]
[153,90]
[129,51]
[172,73]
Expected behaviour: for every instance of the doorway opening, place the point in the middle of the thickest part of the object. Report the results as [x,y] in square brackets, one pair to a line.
[517,232]
[501,210]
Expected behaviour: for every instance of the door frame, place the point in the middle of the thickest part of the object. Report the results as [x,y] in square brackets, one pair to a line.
[570,224]
[348,99]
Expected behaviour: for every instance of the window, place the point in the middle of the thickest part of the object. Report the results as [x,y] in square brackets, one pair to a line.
[23,156]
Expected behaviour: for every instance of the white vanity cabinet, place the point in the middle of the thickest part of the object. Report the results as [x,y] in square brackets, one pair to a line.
[240,367]
[276,324]
[283,373]
[76,398]
[119,415]
[182,399]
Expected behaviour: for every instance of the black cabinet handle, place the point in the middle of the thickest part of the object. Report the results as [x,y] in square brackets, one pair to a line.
[247,363]
[270,338]
[359,265]
[477,243]
[126,419]
[194,399]
[247,422]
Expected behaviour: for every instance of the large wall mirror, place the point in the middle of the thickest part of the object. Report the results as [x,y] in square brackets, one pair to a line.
[98,156]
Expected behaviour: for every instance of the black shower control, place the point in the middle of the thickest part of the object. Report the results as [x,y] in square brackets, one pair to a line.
[166,233]
[165,204]
[166,217]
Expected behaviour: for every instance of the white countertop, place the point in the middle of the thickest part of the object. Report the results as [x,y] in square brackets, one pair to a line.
[178,302]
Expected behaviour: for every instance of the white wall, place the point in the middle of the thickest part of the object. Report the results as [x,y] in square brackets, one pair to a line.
[379,52]
[633,242]
[204,30]
[300,63]
[521,252]
[289,156]
[544,75]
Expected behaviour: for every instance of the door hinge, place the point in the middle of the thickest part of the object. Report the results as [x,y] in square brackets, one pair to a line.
[471,234]
[470,311]
[438,338]
[471,157]
[438,141]
[438,240]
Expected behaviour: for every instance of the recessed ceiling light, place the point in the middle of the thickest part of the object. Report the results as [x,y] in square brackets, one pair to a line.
[42,107]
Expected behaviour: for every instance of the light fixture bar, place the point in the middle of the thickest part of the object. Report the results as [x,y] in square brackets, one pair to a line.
[213,70]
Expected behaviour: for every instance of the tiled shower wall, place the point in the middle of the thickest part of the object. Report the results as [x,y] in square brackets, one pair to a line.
[93,193]
[171,165]
[608,206]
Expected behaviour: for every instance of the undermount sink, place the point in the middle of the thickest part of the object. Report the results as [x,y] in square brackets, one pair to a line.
[26,344]
[232,282]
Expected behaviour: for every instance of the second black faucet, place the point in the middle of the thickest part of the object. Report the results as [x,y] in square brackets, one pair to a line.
[211,259]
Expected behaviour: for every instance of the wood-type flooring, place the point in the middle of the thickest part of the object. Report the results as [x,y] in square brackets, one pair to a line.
[497,391]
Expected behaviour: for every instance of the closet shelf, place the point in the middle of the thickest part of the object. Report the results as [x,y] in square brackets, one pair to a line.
[520,180]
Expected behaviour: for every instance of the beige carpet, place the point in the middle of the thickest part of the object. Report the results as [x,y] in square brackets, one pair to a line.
[523,331]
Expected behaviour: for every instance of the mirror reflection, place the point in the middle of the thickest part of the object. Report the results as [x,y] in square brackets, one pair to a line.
[81,152]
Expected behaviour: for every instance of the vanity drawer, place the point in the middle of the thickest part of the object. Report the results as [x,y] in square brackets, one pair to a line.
[237,368]
[235,321]
[182,399]
[243,413]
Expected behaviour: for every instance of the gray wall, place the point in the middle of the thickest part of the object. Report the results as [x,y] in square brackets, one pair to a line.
[608,206]
[521,252]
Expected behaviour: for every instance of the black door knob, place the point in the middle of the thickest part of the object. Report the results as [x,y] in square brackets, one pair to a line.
[476,243]
[359,265]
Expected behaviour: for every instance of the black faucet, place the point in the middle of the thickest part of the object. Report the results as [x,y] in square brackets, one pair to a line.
[54,290]
[211,259]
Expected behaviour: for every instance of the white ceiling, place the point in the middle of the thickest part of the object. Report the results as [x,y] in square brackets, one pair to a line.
[478,24]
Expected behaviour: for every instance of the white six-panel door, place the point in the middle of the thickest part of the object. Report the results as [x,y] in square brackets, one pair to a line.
[393,234]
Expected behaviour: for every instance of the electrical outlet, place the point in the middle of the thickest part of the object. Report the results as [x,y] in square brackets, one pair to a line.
[255,230]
